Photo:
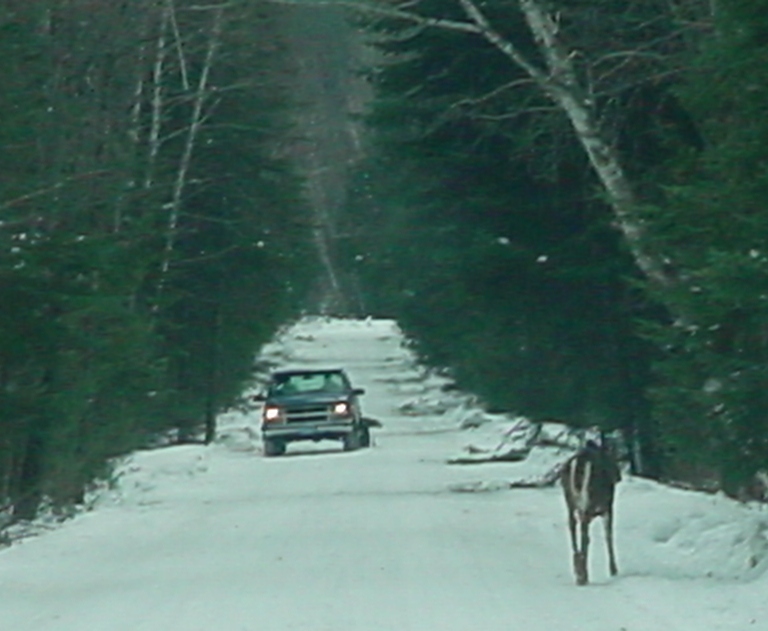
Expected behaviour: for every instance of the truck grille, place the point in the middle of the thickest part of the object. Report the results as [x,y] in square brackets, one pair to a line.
[308,414]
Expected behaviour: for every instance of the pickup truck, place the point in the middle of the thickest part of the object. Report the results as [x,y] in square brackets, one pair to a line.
[311,405]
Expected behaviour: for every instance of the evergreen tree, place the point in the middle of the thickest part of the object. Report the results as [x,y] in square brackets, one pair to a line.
[122,320]
[237,267]
[478,228]
[710,398]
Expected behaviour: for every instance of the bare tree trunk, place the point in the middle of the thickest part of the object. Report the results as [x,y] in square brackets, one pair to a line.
[179,43]
[157,96]
[560,81]
[137,106]
[195,124]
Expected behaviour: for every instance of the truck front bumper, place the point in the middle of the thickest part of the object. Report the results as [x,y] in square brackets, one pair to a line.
[306,431]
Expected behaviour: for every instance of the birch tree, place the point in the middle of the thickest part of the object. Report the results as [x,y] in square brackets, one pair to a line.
[566,75]
[199,97]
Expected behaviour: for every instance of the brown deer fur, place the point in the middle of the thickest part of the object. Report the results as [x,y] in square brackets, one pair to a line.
[589,480]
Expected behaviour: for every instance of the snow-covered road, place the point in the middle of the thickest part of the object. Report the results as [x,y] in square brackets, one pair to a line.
[221,538]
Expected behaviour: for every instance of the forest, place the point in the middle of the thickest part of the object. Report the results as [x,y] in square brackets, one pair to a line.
[564,204]
[154,230]
[561,203]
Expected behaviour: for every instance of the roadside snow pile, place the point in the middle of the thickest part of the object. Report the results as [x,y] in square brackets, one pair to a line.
[429,393]
[684,534]
[535,451]
[156,476]
[503,437]
[427,405]
[46,520]
[493,436]
[238,428]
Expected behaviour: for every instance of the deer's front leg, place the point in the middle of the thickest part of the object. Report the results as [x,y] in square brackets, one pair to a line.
[582,575]
[572,522]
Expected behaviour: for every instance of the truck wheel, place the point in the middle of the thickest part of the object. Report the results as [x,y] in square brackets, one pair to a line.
[273,447]
[365,437]
[352,440]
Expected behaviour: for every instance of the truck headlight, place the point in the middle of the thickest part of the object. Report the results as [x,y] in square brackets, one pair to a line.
[272,414]
[341,408]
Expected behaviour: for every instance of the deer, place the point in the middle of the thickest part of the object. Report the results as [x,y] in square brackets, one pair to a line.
[589,481]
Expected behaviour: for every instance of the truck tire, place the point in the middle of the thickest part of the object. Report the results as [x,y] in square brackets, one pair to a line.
[352,440]
[273,447]
[365,437]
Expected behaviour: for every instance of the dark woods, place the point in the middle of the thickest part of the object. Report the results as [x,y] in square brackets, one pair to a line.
[586,211]
[148,229]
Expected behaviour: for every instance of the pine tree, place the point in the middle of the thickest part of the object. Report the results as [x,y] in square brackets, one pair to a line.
[483,236]
[119,324]
[711,395]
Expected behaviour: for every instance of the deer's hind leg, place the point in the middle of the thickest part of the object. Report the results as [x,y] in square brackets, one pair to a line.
[608,523]
[572,525]
[581,557]
[572,529]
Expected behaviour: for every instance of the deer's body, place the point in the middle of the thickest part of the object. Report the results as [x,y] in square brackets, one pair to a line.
[589,481]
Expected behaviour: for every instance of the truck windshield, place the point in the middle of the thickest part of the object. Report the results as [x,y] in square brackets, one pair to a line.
[310,382]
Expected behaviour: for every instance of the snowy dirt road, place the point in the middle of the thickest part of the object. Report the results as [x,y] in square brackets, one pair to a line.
[221,538]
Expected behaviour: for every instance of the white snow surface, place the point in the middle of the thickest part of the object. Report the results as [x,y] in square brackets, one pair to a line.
[221,538]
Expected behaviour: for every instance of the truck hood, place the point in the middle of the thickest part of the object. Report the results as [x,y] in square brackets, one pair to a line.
[309,398]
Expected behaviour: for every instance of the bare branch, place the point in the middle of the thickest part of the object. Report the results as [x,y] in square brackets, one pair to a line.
[390,12]
[211,7]
[542,109]
[207,257]
[158,70]
[179,46]
[50,189]
[493,93]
